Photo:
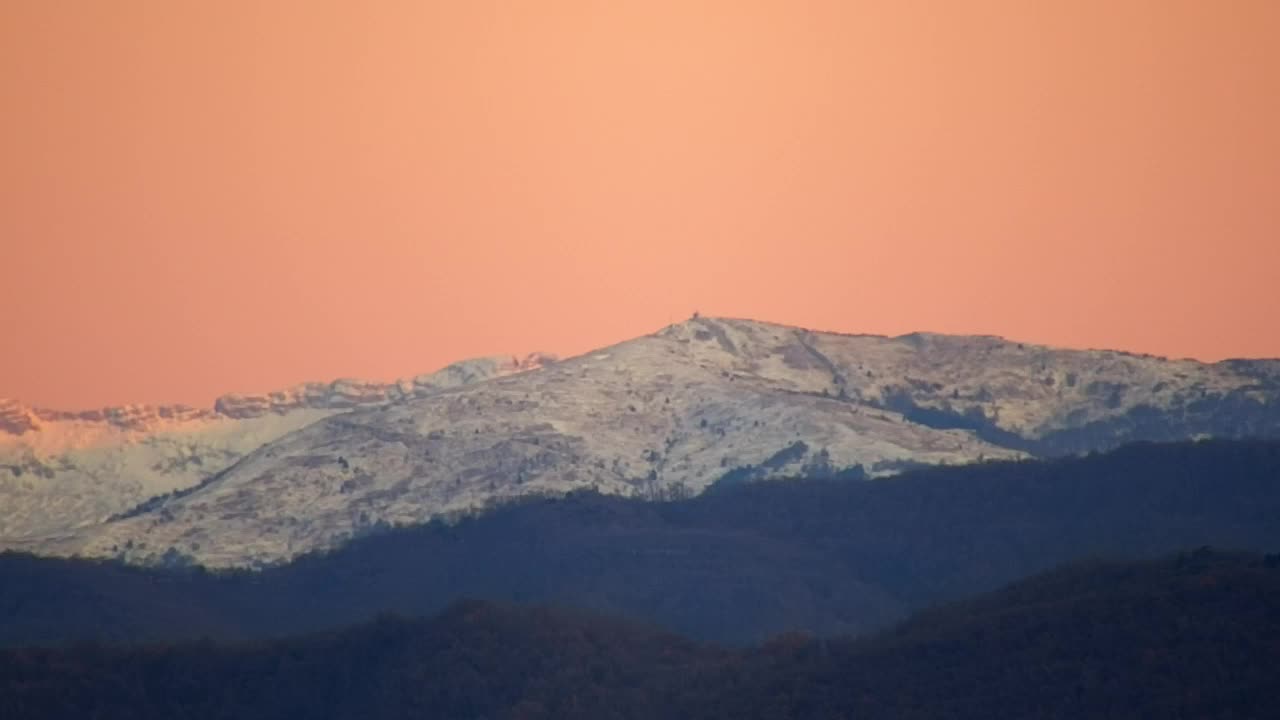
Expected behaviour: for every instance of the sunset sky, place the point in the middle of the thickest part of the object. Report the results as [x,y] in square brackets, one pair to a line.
[201,197]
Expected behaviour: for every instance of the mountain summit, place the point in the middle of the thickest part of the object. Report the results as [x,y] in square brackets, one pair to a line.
[673,412]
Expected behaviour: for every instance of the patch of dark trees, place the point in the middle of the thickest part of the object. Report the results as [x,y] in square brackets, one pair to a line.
[1193,635]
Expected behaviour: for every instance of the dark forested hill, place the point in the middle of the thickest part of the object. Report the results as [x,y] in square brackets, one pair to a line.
[1196,635]
[735,565]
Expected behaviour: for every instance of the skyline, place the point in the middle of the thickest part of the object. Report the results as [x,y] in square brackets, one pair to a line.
[206,199]
[523,354]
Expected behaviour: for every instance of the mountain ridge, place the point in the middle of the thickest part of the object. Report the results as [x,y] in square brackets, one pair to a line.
[18,418]
[63,469]
[679,409]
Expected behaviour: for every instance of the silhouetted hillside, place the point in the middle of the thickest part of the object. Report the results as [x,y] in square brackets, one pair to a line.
[1193,636]
[475,660]
[1196,636]
[735,565]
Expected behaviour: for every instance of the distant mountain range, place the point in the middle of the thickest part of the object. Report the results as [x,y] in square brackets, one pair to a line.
[1192,635]
[669,414]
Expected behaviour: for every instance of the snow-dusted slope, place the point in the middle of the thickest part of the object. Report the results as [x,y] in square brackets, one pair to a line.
[61,470]
[674,412]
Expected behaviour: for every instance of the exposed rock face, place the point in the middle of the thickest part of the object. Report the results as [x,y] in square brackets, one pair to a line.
[673,412]
[61,470]
[16,419]
[124,417]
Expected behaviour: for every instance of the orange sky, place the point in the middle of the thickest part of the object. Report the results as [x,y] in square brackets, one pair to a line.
[198,197]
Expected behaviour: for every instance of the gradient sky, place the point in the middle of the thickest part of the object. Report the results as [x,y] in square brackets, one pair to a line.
[199,197]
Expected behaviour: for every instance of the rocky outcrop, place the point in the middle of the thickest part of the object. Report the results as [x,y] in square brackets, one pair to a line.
[16,418]
[341,394]
[347,393]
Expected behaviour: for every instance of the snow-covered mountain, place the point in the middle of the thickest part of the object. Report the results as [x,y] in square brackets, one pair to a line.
[673,412]
[62,470]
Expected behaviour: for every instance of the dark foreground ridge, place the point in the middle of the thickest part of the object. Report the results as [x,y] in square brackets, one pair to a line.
[1195,635]
[736,565]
